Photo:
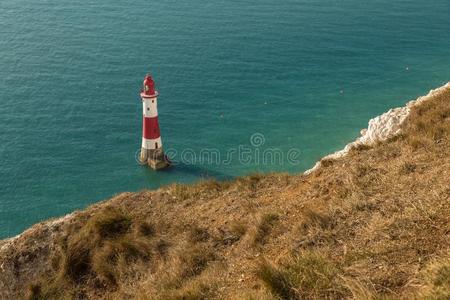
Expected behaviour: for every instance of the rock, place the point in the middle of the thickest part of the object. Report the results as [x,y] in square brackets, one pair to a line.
[385,126]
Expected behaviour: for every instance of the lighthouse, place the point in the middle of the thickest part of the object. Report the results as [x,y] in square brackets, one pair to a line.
[152,149]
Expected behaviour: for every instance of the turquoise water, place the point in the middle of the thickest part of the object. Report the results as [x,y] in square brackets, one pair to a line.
[304,74]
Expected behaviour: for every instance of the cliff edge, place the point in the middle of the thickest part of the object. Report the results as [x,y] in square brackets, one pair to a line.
[368,222]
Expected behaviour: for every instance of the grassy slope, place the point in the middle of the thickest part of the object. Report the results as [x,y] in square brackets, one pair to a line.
[374,224]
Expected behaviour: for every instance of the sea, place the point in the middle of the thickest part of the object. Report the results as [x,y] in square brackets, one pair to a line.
[245,87]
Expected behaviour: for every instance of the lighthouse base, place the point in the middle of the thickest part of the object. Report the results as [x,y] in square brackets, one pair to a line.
[154,158]
[157,164]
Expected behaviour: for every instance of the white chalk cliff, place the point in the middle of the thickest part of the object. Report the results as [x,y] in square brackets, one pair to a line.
[383,127]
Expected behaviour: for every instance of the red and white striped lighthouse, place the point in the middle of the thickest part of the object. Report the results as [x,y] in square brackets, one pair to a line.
[152,149]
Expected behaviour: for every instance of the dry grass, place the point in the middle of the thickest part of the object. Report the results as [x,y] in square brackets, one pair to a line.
[435,280]
[198,287]
[97,255]
[372,225]
[263,229]
[305,276]
[195,290]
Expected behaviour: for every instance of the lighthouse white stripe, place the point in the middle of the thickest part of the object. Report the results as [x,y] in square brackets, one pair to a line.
[151,144]
[149,107]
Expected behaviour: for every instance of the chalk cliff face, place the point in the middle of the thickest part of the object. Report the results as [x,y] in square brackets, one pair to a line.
[389,124]
[383,127]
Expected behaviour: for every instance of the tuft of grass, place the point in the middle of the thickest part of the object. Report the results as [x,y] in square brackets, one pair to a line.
[162,247]
[238,229]
[417,142]
[105,225]
[278,281]
[251,183]
[205,188]
[199,289]
[185,267]
[436,280]
[34,292]
[198,234]
[231,234]
[307,276]
[327,162]
[264,228]
[204,286]
[253,295]
[313,218]
[146,229]
[96,253]
[442,276]
[362,291]
[193,261]
[111,223]
[361,147]
[77,262]
[429,121]
[407,168]
[107,260]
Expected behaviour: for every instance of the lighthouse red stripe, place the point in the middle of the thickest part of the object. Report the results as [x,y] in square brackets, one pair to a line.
[151,128]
